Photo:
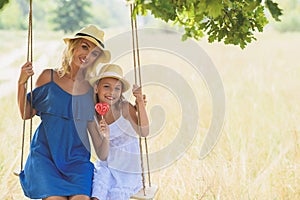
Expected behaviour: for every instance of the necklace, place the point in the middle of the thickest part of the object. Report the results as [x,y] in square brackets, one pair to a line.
[70,77]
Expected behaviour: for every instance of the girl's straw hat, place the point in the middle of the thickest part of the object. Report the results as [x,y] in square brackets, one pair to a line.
[111,71]
[94,35]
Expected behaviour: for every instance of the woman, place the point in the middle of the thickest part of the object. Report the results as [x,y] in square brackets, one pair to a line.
[58,166]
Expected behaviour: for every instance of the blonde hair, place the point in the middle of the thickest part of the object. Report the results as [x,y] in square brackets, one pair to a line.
[67,59]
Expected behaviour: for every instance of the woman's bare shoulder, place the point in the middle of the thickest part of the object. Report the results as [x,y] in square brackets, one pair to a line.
[44,77]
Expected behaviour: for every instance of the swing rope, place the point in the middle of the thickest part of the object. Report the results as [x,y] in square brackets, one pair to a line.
[29,59]
[137,76]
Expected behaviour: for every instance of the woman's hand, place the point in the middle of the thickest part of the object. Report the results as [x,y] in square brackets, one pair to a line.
[104,129]
[26,72]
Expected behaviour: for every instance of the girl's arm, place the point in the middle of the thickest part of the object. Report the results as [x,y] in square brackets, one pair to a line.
[100,138]
[140,106]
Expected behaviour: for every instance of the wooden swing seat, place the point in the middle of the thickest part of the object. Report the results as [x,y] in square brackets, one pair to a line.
[17,172]
[150,193]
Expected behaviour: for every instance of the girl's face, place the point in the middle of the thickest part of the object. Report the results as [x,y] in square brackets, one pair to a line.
[109,90]
[85,54]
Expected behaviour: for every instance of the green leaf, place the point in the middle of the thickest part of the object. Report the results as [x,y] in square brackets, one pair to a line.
[214,8]
[275,11]
[2,3]
[230,21]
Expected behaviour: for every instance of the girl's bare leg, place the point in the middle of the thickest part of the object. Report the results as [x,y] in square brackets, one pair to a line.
[56,198]
[79,197]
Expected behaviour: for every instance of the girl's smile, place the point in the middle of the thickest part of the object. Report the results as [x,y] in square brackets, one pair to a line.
[109,90]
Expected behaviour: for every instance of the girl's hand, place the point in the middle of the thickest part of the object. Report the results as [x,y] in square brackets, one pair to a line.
[104,129]
[26,72]
[137,92]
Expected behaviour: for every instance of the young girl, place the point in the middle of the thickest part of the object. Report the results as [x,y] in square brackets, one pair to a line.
[58,165]
[117,174]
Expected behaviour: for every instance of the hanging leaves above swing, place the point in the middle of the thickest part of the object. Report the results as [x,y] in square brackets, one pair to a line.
[232,22]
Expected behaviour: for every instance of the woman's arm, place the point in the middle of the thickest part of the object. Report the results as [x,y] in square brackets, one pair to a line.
[26,72]
[100,138]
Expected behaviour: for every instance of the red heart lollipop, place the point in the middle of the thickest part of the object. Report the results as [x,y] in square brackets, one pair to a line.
[102,108]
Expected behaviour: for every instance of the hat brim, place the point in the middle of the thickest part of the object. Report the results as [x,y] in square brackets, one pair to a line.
[104,57]
[126,84]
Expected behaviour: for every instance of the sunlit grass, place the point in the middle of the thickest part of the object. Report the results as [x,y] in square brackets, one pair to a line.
[258,153]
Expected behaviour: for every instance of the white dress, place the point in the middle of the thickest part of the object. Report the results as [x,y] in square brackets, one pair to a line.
[119,177]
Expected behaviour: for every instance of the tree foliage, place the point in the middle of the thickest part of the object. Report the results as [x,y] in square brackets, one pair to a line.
[12,16]
[230,21]
[290,21]
[71,15]
[2,3]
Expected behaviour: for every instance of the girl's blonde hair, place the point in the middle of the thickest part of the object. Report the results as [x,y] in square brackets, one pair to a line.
[67,57]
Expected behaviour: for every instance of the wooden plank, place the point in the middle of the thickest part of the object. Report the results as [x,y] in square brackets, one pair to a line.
[150,193]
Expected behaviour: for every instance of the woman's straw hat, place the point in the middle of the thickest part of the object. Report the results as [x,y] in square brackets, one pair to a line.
[111,71]
[94,35]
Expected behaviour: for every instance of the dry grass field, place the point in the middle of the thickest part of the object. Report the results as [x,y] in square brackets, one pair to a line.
[258,153]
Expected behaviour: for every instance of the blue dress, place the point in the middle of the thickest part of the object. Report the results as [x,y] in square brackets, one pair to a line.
[58,163]
[119,177]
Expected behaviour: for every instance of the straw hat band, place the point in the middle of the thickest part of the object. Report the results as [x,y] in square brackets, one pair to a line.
[111,71]
[110,74]
[95,35]
[84,34]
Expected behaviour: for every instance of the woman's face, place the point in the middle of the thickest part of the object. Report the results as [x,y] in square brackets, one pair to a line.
[109,90]
[85,54]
